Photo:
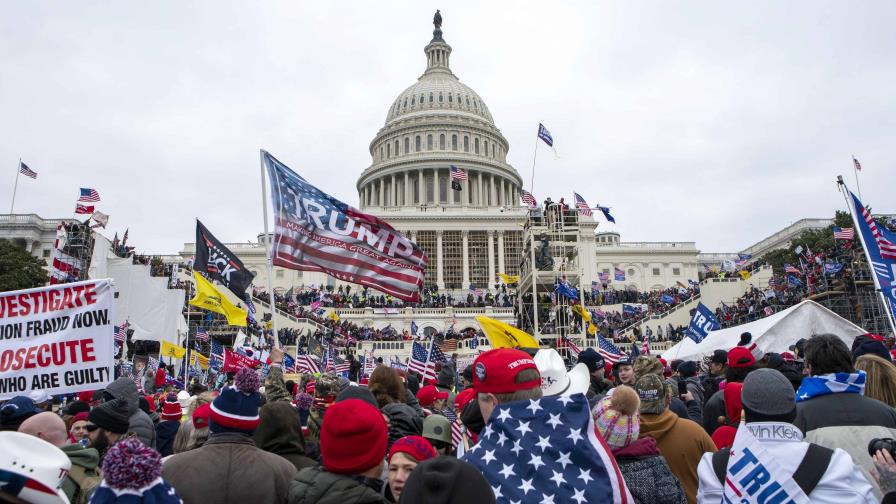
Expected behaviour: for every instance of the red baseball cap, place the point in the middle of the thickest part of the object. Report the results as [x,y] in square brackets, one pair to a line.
[461,400]
[429,394]
[739,357]
[495,371]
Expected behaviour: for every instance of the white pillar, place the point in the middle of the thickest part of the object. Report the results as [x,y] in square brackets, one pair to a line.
[493,190]
[440,278]
[407,191]
[481,201]
[421,188]
[503,199]
[466,259]
[393,192]
[382,191]
[435,187]
[491,258]
[502,268]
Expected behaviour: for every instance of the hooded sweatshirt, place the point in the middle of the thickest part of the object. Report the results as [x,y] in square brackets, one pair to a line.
[682,443]
[279,433]
[139,422]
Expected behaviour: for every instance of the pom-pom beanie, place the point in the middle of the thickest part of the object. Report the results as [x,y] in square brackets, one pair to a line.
[236,409]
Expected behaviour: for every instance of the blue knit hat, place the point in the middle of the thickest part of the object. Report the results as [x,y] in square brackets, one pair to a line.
[236,409]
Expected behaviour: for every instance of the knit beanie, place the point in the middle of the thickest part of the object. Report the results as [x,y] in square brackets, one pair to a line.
[872,347]
[132,472]
[592,359]
[76,407]
[768,397]
[236,409]
[111,416]
[418,447]
[171,409]
[356,392]
[353,437]
[719,357]
[446,480]
[687,369]
[616,417]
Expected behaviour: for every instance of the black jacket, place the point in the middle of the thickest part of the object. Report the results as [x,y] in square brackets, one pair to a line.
[403,421]
[715,407]
[279,433]
[313,485]
[165,433]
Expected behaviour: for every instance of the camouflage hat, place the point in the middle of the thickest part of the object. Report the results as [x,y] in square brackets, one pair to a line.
[437,428]
[328,384]
[652,392]
[645,365]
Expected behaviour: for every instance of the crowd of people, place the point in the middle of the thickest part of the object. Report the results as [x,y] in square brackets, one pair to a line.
[824,411]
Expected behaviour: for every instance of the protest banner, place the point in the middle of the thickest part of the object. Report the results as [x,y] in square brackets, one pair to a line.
[58,339]
[234,361]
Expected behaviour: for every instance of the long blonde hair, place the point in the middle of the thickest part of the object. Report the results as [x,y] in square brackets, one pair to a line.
[880,383]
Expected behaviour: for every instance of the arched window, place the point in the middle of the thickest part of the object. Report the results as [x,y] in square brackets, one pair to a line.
[454,142]
[413,100]
[405,103]
[381,153]
[493,150]
[468,101]
[440,97]
[466,143]
[422,99]
[428,142]
[407,145]
[476,146]
[388,150]
[450,98]
[485,147]
[417,143]
[396,147]
[430,97]
[442,142]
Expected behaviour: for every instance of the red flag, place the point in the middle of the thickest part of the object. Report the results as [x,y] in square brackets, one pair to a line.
[233,362]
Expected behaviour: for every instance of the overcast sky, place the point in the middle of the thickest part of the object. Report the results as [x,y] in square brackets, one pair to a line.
[714,122]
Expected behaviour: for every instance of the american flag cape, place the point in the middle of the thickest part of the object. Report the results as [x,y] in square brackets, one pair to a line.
[548,448]
[314,231]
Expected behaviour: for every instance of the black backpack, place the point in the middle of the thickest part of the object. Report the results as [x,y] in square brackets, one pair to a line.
[807,474]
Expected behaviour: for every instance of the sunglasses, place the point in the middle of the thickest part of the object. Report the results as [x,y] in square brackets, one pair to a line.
[91,427]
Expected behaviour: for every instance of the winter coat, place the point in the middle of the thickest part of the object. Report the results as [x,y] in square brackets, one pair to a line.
[281,434]
[403,421]
[165,433]
[711,386]
[149,384]
[647,475]
[847,421]
[313,485]
[229,468]
[275,387]
[161,375]
[682,443]
[84,475]
[842,483]
[598,387]
[138,422]
[714,408]
[690,411]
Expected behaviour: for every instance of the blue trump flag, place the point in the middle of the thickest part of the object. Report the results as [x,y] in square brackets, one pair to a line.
[547,448]
[667,299]
[545,135]
[564,289]
[629,309]
[880,247]
[702,323]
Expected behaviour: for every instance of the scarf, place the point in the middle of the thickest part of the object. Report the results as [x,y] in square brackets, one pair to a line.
[834,383]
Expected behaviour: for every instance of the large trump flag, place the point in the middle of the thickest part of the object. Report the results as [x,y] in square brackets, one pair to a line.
[314,231]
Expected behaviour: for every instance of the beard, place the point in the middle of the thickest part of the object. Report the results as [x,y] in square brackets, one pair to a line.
[101,443]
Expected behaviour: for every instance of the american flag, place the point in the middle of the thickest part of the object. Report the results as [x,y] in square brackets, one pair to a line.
[457,173]
[121,332]
[152,363]
[583,207]
[844,233]
[856,164]
[768,311]
[887,247]
[201,333]
[564,341]
[314,231]
[419,361]
[369,363]
[476,292]
[772,282]
[84,209]
[457,432]
[619,274]
[645,346]
[28,172]
[449,345]
[436,355]
[789,268]
[608,350]
[528,199]
[89,195]
[307,364]
[217,355]
[548,447]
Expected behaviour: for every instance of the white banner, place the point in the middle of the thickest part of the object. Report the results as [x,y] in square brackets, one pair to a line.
[58,338]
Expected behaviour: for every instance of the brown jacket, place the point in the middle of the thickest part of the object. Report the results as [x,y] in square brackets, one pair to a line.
[682,443]
[229,468]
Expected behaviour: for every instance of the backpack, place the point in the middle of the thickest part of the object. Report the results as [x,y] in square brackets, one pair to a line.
[85,482]
[807,474]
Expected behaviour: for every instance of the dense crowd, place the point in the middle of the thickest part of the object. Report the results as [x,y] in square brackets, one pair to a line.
[665,430]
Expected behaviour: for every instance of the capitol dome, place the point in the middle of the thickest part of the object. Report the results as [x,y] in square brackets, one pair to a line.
[436,123]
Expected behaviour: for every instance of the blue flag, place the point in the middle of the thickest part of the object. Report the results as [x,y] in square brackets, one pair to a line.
[288,363]
[564,289]
[629,309]
[413,328]
[606,212]
[667,299]
[702,323]
[794,281]
[545,135]
[880,245]
[548,448]
[832,268]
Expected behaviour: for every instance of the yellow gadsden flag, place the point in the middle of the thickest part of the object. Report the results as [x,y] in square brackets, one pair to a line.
[171,350]
[209,298]
[509,279]
[744,274]
[586,317]
[592,329]
[502,335]
[333,316]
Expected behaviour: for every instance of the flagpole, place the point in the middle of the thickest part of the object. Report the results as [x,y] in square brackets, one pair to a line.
[532,182]
[15,186]
[267,244]
[852,211]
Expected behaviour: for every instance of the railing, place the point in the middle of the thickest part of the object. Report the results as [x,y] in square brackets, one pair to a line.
[652,245]
[405,346]
[297,320]
[29,219]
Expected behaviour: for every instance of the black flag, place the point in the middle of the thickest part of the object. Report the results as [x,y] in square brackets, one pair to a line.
[213,258]
[455,184]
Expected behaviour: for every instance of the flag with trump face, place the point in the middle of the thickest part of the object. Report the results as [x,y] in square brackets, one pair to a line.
[314,231]
[546,450]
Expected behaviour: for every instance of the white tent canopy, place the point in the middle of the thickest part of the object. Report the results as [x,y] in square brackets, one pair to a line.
[771,334]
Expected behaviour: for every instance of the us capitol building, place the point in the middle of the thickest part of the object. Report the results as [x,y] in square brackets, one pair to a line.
[469,235]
